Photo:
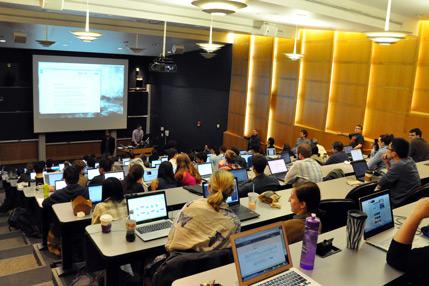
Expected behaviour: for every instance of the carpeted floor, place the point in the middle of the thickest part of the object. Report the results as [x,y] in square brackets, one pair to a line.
[17,264]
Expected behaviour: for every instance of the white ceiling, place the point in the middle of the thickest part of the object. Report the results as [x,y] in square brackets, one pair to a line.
[120,20]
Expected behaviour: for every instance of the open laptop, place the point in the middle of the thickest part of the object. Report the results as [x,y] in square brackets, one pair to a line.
[150,175]
[278,168]
[93,173]
[208,157]
[286,157]
[246,156]
[163,158]
[240,174]
[149,210]
[33,175]
[356,154]
[61,165]
[50,178]
[359,167]
[347,150]
[118,175]
[242,212]
[271,151]
[205,170]
[156,162]
[60,184]
[262,257]
[95,193]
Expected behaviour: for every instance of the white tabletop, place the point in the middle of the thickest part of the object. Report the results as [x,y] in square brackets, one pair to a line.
[64,212]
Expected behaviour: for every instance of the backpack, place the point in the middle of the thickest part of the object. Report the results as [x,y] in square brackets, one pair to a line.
[22,219]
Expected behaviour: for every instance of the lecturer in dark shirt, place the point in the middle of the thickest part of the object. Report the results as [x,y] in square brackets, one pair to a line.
[356,139]
[253,140]
[261,181]
[107,146]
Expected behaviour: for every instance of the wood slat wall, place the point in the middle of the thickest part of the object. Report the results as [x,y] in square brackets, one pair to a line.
[21,152]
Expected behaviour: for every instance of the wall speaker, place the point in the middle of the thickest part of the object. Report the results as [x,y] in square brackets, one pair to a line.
[178,49]
[269,30]
[20,38]
[52,4]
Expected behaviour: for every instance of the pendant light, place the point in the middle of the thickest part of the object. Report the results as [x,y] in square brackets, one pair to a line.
[210,47]
[46,43]
[294,56]
[87,35]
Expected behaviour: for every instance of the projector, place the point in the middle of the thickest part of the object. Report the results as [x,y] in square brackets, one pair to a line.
[162,64]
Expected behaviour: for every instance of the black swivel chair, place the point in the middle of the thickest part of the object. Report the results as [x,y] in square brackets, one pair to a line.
[417,194]
[361,191]
[334,213]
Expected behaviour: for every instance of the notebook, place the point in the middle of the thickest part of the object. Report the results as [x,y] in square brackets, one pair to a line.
[359,167]
[150,175]
[262,257]
[240,174]
[60,184]
[205,170]
[50,178]
[356,154]
[93,173]
[118,175]
[278,168]
[156,162]
[242,212]
[149,210]
[95,193]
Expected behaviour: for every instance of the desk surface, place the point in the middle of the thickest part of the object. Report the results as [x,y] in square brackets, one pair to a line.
[64,213]
[367,266]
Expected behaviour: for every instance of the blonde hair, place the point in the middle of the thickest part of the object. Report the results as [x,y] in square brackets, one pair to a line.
[222,186]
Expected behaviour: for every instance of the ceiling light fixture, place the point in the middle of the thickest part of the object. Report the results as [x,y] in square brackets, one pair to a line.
[387,37]
[220,7]
[294,56]
[87,35]
[210,47]
[46,43]
[137,49]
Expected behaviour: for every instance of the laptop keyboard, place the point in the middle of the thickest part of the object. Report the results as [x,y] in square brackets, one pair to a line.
[154,227]
[289,278]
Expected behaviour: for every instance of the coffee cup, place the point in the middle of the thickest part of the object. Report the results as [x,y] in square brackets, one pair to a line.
[355,226]
[368,176]
[106,223]
[253,198]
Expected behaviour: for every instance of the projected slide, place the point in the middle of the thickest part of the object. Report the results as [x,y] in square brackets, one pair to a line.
[73,94]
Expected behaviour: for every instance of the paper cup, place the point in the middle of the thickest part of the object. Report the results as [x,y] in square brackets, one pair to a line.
[253,198]
[355,226]
[106,223]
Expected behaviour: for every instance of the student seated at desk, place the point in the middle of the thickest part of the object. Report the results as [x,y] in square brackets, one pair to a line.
[338,156]
[172,156]
[415,262]
[229,162]
[105,166]
[206,224]
[38,168]
[186,173]
[165,178]
[261,182]
[376,162]
[113,202]
[49,164]
[305,168]
[133,181]
[26,177]
[315,154]
[256,150]
[304,201]
[240,160]
[80,165]
[144,160]
[201,158]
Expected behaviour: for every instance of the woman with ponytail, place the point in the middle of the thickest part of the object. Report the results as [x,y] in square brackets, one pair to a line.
[206,224]
[132,182]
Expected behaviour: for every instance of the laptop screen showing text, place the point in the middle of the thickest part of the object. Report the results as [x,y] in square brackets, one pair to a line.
[356,154]
[379,211]
[359,167]
[150,175]
[147,208]
[277,166]
[240,174]
[232,199]
[261,252]
[118,175]
[205,169]
[271,151]
[95,193]
[92,173]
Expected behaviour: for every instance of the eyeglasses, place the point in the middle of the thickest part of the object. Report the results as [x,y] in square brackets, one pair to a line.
[390,149]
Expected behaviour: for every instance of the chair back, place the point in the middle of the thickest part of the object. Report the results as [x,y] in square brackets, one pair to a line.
[361,191]
[425,181]
[334,213]
[417,194]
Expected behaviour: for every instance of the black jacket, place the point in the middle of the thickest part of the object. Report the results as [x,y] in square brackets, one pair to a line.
[110,143]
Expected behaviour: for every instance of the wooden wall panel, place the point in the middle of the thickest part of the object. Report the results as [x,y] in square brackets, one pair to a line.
[282,133]
[231,139]
[421,89]
[72,151]
[236,123]
[418,121]
[21,152]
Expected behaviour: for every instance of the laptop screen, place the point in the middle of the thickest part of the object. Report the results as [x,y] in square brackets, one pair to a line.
[246,157]
[356,154]
[271,151]
[359,167]
[150,175]
[260,253]
[61,165]
[33,175]
[118,175]
[379,210]
[233,199]
[208,157]
[92,173]
[347,149]
[277,166]
[147,207]
[95,193]
[56,168]
[126,161]
[240,174]
[163,159]
[60,184]
[242,152]
[50,178]
[286,157]
[156,162]
[205,169]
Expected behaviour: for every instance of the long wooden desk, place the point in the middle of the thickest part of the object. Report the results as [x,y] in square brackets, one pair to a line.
[136,151]
[366,266]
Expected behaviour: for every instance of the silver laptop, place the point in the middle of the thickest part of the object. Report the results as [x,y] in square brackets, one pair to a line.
[359,168]
[120,175]
[262,257]
[149,210]
[95,193]
[60,184]
[50,178]
[205,170]
[278,168]
[271,151]
[93,173]
[356,154]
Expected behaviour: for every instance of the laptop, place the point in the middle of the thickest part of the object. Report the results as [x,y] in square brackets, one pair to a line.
[50,178]
[262,257]
[208,157]
[278,168]
[242,152]
[150,175]
[33,175]
[61,165]
[93,173]
[95,193]
[195,189]
[118,175]
[246,157]
[271,151]
[56,168]
[240,174]
[149,210]
[60,184]
[347,150]
[242,212]
[126,161]
[205,170]
[156,162]
[163,159]
[359,167]
[356,154]
[286,158]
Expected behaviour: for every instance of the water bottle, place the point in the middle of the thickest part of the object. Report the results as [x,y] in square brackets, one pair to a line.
[46,190]
[309,243]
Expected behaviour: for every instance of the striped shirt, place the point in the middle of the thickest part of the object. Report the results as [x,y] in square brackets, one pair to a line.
[118,210]
[307,169]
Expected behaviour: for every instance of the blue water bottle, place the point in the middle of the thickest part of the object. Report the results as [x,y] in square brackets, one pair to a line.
[309,243]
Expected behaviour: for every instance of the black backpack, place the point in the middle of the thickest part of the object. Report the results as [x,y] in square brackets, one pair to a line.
[22,219]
